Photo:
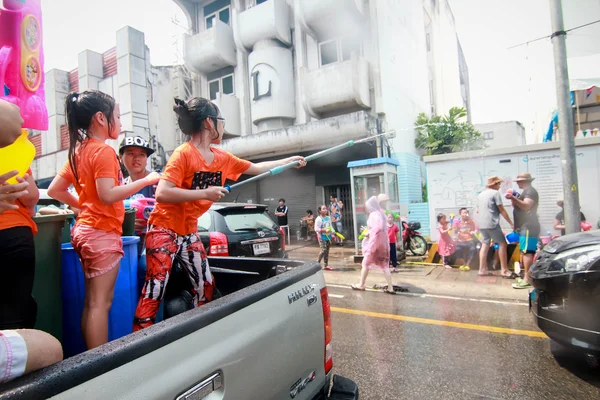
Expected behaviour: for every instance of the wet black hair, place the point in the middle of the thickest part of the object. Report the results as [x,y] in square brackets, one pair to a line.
[309,212]
[282,199]
[80,109]
[192,114]
[440,216]
[463,208]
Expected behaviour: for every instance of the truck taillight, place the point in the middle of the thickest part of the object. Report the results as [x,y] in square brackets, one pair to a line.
[328,330]
[282,238]
[218,244]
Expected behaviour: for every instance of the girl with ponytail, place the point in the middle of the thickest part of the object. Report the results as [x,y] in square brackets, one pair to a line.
[93,168]
[192,181]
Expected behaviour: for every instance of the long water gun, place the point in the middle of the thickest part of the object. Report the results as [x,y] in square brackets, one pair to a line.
[293,164]
[451,223]
[22,77]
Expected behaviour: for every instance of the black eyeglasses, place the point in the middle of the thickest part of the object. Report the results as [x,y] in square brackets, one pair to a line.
[221,119]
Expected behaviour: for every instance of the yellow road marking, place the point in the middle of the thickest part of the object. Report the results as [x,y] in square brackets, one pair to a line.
[428,321]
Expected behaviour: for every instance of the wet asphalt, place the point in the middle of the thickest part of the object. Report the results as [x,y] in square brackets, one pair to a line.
[391,359]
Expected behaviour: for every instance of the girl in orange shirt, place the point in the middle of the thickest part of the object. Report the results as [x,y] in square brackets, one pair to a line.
[192,181]
[93,168]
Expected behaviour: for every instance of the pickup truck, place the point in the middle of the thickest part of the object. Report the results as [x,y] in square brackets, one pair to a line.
[268,336]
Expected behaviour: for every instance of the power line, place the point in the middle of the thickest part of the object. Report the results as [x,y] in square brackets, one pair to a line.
[548,36]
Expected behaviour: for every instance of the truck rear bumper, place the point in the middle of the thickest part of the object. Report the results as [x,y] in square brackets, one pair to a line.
[341,389]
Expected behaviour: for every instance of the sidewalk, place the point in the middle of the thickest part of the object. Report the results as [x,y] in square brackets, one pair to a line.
[416,278]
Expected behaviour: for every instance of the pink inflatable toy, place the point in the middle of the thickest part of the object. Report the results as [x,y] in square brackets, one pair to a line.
[22,60]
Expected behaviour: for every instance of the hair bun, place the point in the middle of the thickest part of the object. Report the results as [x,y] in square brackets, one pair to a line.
[180,107]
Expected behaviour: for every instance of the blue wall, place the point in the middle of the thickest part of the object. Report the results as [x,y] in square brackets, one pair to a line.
[420,212]
[409,177]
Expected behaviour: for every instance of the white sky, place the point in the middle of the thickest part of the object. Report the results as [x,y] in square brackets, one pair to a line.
[515,84]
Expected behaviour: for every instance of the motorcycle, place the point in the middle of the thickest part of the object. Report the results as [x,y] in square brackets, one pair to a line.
[412,238]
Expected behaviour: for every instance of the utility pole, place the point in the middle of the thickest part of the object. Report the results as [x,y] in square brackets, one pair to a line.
[565,120]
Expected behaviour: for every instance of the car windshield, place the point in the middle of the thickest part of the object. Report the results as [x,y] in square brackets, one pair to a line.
[248,220]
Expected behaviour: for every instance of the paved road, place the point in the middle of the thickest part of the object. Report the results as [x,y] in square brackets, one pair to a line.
[408,347]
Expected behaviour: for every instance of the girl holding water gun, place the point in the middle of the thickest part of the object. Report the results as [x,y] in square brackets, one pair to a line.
[324,228]
[193,179]
[93,168]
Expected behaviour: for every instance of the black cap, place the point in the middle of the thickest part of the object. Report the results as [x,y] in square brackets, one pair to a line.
[135,141]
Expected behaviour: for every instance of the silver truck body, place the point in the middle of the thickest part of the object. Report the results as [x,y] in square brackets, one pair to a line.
[265,341]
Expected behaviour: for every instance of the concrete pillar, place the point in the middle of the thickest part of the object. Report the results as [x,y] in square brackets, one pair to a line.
[131,73]
[91,70]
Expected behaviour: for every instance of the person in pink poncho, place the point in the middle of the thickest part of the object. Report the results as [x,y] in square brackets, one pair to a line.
[375,246]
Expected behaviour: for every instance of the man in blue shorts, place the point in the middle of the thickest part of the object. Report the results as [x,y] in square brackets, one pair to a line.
[527,223]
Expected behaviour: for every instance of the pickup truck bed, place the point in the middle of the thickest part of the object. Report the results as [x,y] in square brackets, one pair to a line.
[263,339]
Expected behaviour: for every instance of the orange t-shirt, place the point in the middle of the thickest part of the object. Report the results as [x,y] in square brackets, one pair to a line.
[187,169]
[96,160]
[21,217]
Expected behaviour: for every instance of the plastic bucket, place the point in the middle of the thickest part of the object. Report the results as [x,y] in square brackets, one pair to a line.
[122,312]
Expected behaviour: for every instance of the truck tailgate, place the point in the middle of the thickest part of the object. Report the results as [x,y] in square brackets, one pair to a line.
[261,342]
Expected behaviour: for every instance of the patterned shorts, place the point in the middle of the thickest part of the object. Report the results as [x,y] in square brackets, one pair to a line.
[164,246]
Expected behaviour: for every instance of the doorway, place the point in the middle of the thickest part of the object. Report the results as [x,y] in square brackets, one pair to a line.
[344,194]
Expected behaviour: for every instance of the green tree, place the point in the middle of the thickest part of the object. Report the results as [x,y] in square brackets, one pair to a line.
[447,134]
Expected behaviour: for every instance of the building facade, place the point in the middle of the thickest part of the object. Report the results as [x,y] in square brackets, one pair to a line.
[298,76]
[144,93]
[499,135]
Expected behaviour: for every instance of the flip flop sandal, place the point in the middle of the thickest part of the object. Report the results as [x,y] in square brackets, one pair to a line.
[356,287]
[388,292]
[511,276]
[466,268]
[521,285]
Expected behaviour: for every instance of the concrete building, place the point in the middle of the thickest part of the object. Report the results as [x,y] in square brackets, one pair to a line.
[498,135]
[297,76]
[142,91]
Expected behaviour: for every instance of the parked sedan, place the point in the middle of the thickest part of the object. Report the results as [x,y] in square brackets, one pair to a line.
[566,298]
[241,230]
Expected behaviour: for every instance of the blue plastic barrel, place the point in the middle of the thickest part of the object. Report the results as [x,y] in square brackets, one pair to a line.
[122,312]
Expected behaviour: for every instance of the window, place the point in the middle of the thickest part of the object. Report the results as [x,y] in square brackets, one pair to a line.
[488,135]
[248,220]
[223,14]
[223,85]
[329,52]
[337,50]
[204,222]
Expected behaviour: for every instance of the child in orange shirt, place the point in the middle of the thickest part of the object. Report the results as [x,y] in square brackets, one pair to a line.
[192,181]
[17,307]
[93,168]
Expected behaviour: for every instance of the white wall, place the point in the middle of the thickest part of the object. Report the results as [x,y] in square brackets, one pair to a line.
[505,134]
[402,65]
[456,180]
[444,46]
